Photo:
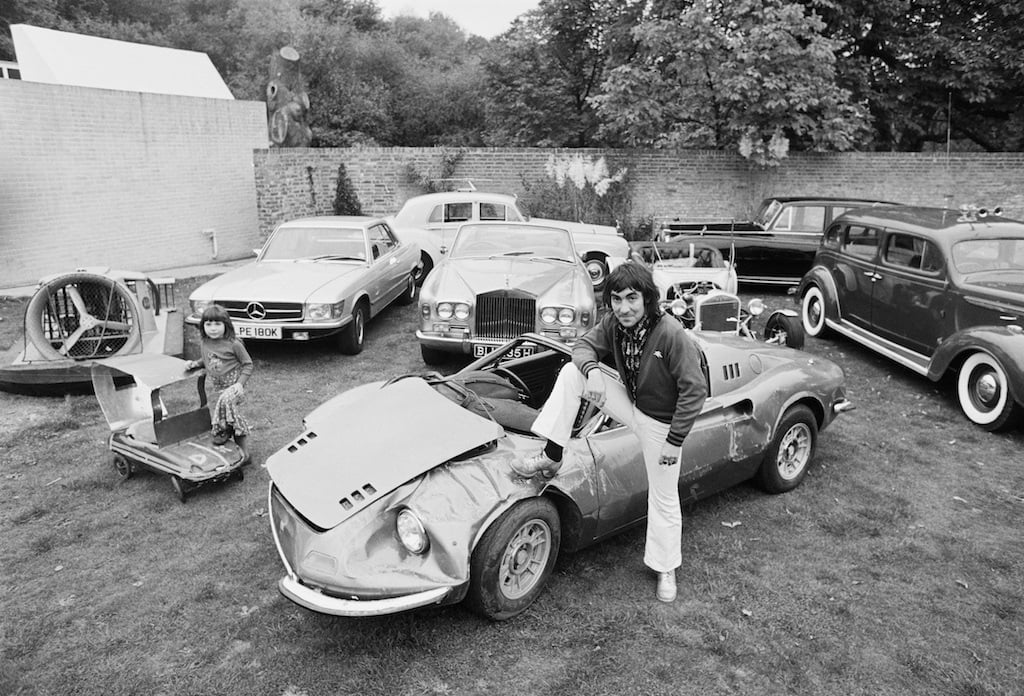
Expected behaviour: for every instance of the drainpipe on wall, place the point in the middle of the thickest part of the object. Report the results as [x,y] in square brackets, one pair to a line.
[212,234]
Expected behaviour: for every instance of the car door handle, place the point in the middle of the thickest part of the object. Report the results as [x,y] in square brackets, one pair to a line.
[872,275]
[1007,317]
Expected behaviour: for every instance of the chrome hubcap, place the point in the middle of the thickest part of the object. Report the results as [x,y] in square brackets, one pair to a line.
[794,451]
[986,389]
[524,560]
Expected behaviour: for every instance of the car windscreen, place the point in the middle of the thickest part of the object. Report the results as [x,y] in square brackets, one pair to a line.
[316,243]
[489,241]
[984,255]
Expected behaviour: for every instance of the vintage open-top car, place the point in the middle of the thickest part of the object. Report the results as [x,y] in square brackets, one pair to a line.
[431,221]
[314,278]
[429,511]
[500,280]
[938,291]
[698,286]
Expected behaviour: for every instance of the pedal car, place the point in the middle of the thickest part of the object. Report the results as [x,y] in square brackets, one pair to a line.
[149,403]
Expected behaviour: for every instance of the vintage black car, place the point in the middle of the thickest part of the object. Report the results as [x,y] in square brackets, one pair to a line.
[777,247]
[938,291]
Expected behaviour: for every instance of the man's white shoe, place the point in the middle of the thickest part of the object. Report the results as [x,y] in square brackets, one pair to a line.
[667,586]
[539,463]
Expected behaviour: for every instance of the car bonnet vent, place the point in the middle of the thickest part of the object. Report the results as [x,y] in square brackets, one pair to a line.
[731,371]
[302,441]
[358,497]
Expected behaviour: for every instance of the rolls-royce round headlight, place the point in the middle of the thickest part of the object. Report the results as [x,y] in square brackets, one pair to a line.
[566,315]
[411,532]
[755,307]
[462,311]
[549,315]
[445,310]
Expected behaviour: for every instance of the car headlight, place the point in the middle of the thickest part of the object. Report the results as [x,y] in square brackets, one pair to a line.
[549,315]
[461,311]
[755,307]
[411,532]
[199,306]
[445,310]
[324,311]
[566,315]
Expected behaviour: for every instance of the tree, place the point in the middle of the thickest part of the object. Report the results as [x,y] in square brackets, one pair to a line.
[932,70]
[346,202]
[754,75]
[542,73]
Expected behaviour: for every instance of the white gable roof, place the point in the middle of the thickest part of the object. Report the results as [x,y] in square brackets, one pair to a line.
[62,58]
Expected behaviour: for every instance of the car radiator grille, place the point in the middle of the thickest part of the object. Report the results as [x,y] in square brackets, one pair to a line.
[505,314]
[719,314]
[274,311]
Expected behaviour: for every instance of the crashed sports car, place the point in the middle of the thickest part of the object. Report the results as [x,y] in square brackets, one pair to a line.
[370,521]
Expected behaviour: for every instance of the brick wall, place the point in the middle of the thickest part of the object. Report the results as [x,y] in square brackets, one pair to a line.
[92,177]
[664,184]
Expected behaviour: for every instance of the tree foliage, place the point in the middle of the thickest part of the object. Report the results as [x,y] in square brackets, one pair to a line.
[752,75]
[761,77]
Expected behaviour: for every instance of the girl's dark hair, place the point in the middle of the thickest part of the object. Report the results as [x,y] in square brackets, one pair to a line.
[638,277]
[216,313]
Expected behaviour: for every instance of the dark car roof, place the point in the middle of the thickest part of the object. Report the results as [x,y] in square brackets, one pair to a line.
[826,199]
[939,223]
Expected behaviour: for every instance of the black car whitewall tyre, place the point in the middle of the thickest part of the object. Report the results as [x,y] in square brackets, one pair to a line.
[514,559]
[812,311]
[350,340]
[786,461]
[984,393]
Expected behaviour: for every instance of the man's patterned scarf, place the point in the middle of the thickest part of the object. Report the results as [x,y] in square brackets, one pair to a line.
[632,342]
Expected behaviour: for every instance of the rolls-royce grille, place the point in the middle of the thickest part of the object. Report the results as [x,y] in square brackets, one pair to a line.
[719,313]
[263,311]
[503,316]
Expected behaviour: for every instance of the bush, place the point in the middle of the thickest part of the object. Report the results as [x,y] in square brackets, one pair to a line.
[346,202]
[579,189]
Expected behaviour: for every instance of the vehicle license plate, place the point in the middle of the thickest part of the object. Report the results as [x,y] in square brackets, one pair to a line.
[481,349]
[260,332]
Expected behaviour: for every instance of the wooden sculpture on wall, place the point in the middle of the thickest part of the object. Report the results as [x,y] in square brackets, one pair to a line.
[287,101]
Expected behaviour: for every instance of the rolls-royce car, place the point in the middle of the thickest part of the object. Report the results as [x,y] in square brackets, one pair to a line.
[315,277]
[431,220]
[372,520]
[500,280]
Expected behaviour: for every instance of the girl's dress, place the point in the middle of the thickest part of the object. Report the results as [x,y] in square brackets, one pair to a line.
[226,361]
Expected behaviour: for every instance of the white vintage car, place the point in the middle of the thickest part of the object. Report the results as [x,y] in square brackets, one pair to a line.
[432,220]
[315,277]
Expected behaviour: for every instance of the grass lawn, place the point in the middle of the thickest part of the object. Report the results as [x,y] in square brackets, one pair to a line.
[896,568]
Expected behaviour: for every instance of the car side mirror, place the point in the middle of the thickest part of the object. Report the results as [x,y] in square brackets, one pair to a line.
[443,250]
[256,252]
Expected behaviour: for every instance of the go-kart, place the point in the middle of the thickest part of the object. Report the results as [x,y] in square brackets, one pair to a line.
[149,403]
[76,319]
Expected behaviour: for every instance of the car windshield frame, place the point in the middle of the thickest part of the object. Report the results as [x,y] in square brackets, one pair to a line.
[316,244]
[988,255]
[489,241]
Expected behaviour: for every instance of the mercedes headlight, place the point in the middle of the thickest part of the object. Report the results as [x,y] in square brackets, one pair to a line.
[199,306]
[323,311]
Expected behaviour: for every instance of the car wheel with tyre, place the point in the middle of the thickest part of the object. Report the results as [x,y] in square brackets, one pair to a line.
[514,559]
[812,311]
[350,340]
[783,329]
[983,391]
[423,270]
[409,294]
[597,267]
[785,463]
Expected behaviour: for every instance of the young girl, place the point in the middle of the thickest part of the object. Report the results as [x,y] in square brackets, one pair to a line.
[228,366]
